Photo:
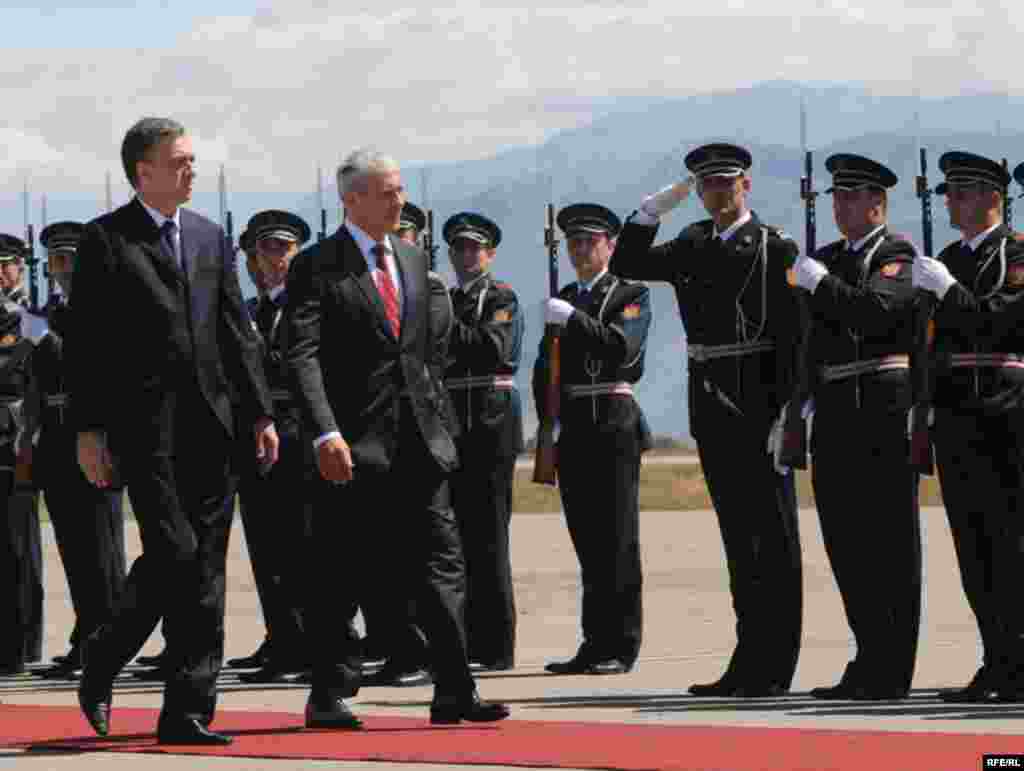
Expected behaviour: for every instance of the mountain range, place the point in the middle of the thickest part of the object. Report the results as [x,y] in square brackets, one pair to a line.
[630,152]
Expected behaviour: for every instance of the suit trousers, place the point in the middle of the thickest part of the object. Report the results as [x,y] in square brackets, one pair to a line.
[21,591]
[757,517]
[867,499]
[482,498]
[599,482]
[277,516]
[981,470]
[177,472]
[88,524]
[395,529]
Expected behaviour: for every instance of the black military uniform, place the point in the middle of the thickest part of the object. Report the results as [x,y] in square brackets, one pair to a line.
[979,429]
[88,522]
[18,612]
[603,433]
[23,504]
[275,507]
[484,352]
[741,326]
[864,485]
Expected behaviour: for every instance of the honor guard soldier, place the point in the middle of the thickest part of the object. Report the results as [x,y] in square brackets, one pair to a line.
[18,600]
[976,286]
[23,503]
[411,224]
[484,354]
[739,314]
[88,522]
[275,506]
[861,296]
[605,321]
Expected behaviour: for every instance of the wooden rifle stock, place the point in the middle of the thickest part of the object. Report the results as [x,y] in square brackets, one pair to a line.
[545,467]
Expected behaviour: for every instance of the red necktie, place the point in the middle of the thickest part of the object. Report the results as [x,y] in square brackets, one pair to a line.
[386,288]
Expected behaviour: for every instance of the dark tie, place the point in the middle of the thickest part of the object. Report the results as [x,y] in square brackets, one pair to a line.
[167,240]
[265,317]
[386,288]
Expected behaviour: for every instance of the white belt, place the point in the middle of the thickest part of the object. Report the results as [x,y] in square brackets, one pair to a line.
[1000,360]
[56,400]
[499,382]
[702,353]
[834,372]
[599,389]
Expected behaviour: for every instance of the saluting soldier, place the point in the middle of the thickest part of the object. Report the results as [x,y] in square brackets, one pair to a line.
[275,504]
[739,314]
[860,295]
[23,505]
[19,612]
[605,321]
[88,522]
[486,345]
[977,284]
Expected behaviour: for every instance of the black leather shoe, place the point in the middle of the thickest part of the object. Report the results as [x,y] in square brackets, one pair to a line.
[393,679]
[983,689]
[259,658]
[609,667]
[154,675]
[10,670]
[274,672]
[153,661]
[498,666]
[759,691]
[67,671]
[577,665]
[330,713]
[72,655]
[469,708]
[724,686]
[95,706]
[188,731]
[844,689]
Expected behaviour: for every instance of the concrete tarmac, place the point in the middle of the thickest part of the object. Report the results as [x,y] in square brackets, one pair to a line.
[689,635]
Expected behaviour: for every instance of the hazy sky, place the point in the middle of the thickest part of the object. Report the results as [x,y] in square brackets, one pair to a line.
[273,89]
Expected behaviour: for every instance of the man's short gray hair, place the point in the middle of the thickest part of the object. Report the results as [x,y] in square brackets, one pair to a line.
[361,164]
[143,137]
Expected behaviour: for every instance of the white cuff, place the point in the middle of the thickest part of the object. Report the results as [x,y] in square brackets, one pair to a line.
[321,439]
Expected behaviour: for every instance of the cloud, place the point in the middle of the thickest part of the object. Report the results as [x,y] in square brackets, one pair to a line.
[274,92]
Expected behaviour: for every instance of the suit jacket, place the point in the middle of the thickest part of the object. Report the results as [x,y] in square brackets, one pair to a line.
[141,328]
[350,372]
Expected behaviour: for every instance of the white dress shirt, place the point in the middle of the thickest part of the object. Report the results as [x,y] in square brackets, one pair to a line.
[975,242]
[856,245]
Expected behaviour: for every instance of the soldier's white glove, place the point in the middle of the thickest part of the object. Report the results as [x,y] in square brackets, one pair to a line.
[666,199]
[931,275]
[557,311]
[808,273]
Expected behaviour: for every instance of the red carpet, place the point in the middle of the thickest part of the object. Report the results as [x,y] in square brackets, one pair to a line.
[523,743]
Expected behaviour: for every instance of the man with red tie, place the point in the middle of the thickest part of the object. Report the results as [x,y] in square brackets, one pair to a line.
[358,341]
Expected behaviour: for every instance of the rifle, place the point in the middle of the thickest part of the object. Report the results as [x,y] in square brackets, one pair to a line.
[793,453]
[545,470]
[30,264]
[924,338]
[1007,200]
[229,233]
[323,226]
[428,240]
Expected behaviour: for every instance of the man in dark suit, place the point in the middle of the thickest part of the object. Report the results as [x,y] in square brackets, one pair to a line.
[359,338]
[151,399]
